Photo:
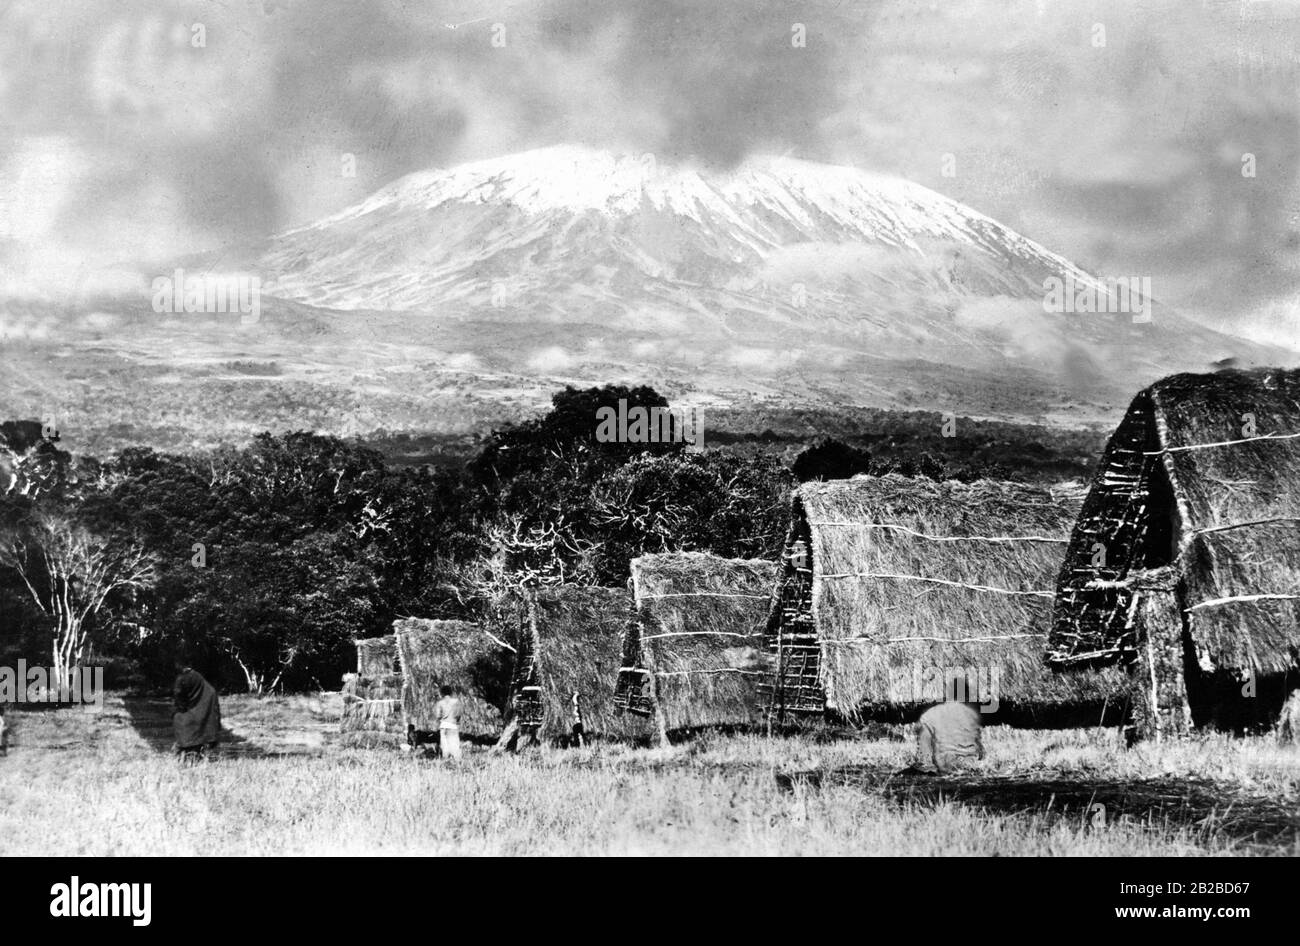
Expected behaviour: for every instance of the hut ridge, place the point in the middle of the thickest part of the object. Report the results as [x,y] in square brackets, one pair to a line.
[1180,484]
[458,654]
[910,577]
[570,639]
[695,655]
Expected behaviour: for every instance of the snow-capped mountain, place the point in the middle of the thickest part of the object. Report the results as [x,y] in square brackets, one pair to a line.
[449,300]
[583,223]
[781,276]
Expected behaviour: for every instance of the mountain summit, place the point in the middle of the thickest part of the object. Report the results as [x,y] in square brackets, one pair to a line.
[568,219]
[451,300]
[779,277]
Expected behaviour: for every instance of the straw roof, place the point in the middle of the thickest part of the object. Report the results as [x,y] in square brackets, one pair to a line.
[372,697]
[458,654]
[376,656]
[912,578]
[1201,474]
[372,709]
[572,634]
[700,622]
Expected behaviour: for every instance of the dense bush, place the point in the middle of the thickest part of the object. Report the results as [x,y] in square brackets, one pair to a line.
[269,560]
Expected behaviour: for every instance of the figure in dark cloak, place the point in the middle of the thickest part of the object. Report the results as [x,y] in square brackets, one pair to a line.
[197,721]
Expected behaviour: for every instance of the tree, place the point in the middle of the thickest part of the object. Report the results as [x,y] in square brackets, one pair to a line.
[72,576]
[531,487]
[566,432]
[272,558]
[30,463]
[830,460]
[283,613]
[709,502]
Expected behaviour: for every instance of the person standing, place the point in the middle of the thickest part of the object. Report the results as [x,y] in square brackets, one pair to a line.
[447,712]
[579,729]
[196,723]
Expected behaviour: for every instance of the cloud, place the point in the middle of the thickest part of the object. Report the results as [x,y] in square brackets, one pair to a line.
[1020,324]
[229,125]
[1124,156]
[551,359]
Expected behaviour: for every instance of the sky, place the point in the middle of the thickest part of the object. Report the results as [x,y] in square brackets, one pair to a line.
[1137,138]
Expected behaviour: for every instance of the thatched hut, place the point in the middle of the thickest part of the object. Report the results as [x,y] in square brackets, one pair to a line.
[695,654]
[458,654]
[567,640]
[372,697]
[896,591]
[1185,561]
[377,656]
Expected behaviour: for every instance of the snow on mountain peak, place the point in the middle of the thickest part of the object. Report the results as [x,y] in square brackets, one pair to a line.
[575,179]
[429,235]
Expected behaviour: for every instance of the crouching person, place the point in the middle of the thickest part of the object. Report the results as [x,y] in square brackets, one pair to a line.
[949,735]
[447,712]
[197,720]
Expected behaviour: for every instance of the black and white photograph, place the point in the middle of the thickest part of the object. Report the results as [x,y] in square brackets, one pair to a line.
[650,428]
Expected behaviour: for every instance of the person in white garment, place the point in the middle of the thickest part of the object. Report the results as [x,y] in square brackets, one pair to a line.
[579,728]
[447,712]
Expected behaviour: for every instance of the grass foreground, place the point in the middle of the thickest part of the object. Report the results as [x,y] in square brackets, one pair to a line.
[87,782]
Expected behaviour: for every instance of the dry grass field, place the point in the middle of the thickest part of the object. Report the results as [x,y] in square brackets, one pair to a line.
[88,783]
